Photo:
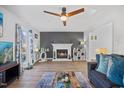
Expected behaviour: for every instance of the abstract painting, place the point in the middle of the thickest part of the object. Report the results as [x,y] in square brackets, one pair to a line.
[6,52]
[1,24]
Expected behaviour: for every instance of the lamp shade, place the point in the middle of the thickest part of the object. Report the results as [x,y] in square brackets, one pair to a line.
[102,51]
[36,50]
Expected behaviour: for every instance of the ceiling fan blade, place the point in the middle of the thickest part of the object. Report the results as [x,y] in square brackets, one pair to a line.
[64,23]
[52,13]
[75,12]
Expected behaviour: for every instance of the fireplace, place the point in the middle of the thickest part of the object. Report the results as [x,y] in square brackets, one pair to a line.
[62,53]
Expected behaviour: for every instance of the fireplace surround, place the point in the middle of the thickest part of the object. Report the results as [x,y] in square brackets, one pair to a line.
[62,52]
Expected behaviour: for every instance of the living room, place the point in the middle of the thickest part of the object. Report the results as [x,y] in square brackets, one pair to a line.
[57,46]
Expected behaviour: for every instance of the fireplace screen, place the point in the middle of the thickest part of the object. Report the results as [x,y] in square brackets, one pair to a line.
[62,53]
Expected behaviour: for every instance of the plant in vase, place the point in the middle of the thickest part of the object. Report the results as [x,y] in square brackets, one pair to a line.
[63,80]
[67,81]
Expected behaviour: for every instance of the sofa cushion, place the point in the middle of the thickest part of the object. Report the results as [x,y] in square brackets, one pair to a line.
[100,80]
[103,65]
[123,80]
[97,59]
[117,70]
[109,66]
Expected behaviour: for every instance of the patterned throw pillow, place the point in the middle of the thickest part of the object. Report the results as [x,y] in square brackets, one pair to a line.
[103,65]
[109,66]
[97,60]
[123,80]
[117,70]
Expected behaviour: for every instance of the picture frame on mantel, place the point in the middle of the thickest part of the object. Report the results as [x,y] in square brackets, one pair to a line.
[36,36]
[1,24]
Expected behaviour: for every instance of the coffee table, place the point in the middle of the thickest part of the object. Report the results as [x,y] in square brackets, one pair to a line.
[65,80]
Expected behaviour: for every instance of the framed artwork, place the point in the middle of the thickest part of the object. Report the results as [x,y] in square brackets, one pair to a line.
[93,37]
[1,24]
[36,36]
[6,52]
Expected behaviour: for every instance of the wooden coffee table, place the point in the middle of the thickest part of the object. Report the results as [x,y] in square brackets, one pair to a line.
[65,80]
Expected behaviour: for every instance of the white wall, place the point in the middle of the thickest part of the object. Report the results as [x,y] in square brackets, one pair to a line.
[104,36]
[9,22]
[36,42]
[119,32]
[116,17]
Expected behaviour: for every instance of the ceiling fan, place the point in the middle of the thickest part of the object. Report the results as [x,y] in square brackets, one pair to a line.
[64,16]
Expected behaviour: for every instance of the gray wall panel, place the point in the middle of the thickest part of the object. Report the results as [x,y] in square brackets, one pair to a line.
[46,38]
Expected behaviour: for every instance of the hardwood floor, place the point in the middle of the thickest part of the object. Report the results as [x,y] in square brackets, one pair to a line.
[30,78]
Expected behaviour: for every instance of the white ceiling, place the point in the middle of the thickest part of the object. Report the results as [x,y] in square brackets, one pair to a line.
[34,15]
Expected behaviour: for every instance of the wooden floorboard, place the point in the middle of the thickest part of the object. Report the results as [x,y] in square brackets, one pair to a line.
[30,78]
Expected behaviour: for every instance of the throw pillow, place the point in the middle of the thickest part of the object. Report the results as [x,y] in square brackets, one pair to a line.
[109,66]
[123,80]
[103,65]
[117,70]
[97,60]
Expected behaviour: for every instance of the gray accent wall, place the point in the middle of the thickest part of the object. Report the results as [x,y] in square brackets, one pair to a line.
[46,38]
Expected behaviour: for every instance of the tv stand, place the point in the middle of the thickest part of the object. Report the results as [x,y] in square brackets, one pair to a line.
[8,73]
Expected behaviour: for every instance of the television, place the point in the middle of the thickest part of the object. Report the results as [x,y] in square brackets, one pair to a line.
[6,52]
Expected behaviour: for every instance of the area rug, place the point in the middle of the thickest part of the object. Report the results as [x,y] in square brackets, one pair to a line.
[63,80]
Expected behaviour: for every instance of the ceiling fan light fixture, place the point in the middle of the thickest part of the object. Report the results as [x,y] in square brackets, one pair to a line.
[64,15]
[64,18]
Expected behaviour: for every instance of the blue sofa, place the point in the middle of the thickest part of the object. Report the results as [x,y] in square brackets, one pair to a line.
[98,79]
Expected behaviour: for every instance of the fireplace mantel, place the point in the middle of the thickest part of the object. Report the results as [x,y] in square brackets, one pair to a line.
[62,46]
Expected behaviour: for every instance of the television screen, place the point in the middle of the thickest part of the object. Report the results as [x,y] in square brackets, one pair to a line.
[6,52]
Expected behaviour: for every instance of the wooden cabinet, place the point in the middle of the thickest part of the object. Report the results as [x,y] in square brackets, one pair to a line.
[8,73]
